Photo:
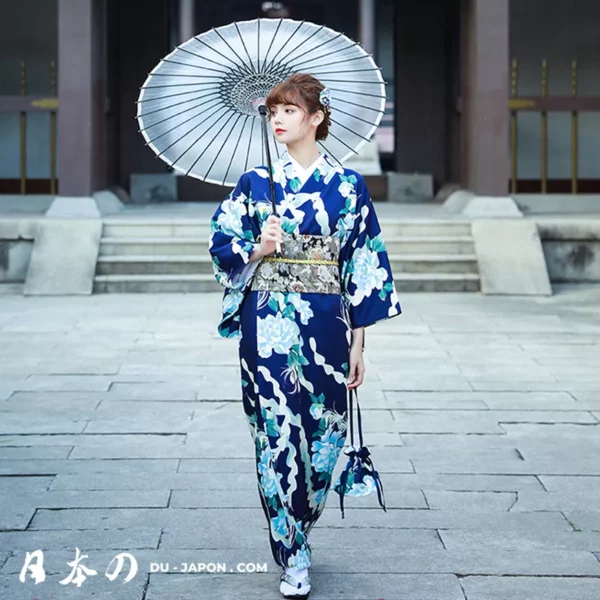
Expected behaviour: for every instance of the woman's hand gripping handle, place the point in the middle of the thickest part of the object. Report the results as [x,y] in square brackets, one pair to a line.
[271,236]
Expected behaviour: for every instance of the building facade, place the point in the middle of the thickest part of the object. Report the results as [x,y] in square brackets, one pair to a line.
[493,95]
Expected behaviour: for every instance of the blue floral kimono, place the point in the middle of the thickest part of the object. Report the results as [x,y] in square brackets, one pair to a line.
[294,346]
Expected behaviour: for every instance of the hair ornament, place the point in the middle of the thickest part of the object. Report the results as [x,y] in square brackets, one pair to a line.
[325,97]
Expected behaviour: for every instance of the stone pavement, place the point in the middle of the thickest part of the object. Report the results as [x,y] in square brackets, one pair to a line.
[121,430]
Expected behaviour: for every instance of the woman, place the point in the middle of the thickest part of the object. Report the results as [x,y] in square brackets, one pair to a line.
[300,314]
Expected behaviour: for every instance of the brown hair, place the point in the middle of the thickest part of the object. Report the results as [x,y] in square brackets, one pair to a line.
[302,90]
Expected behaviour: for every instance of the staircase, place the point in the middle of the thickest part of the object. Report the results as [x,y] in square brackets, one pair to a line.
[431,255]
[152,255]
[171,255]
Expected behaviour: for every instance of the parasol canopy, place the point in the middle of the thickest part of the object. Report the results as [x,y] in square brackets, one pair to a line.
[198,108]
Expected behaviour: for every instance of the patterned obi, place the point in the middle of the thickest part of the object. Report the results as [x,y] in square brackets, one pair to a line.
[307,263]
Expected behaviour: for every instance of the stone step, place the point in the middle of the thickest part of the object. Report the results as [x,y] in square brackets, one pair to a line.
[152,246]
[200,229]
[424,228]
[436,282]
[169,264]
[129,228]
[432,263]
[189,264]
[405,283]
[120,246]
[156,283]
[429,245]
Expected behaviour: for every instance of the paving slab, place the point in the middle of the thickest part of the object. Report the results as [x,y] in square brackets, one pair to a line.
[40,422]
[8,387]
[90,539]
[455,539]
[13,516]
[571,483]
[11,450]
[220,520]
[142,480]
[217,465]
[98,587]
[471,501]
[531,401]
[65,403]
[145,422]
[519,588]
[409,383]
[122,467]
[582,520]
[156,391]
[433,401]
[86,499]
[19,485]
[562,501]
[544,416]
[75,383]
[460,483]
[446,421]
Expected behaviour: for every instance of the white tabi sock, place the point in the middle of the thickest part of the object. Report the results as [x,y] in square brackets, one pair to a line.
[297,574]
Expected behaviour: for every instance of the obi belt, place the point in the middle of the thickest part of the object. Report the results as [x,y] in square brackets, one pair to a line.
[307,263]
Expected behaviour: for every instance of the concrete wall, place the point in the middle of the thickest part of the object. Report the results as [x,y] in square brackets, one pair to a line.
[576,261]
[572,249]
[16,244]
[14,260]
[560,32]
[28,31]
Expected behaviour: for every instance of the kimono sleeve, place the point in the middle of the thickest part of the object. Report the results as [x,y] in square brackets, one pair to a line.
[367,281]
[233,238]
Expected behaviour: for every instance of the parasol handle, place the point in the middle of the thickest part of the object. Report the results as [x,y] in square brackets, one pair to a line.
[262,109]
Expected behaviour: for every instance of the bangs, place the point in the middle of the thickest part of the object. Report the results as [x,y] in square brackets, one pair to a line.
[285,94]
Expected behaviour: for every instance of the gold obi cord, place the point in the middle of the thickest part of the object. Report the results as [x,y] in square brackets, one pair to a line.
[307,263]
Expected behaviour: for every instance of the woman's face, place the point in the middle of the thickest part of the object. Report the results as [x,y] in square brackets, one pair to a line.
[290,124]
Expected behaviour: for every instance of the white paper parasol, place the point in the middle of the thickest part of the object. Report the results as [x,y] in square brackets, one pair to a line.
[198,108]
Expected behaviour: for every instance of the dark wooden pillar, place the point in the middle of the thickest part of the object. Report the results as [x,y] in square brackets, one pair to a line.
[81,148]
[485,92]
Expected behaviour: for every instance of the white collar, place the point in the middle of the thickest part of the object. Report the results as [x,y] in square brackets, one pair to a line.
[327,168]
[300,170]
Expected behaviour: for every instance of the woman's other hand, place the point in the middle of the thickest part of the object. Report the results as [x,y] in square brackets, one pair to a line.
[357,367]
